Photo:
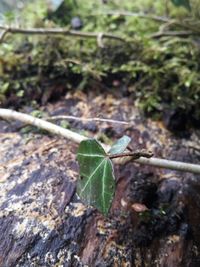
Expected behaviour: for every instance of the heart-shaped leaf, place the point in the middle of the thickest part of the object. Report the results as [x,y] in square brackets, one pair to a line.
[120,145]
[96,185]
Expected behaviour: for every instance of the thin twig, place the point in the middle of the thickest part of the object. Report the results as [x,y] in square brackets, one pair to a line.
[135,14]
[58,31]
[166,26]
[2,35]
[170,164]
[63,117]
[42,124]
[192,30]
[52,128]
[173,33]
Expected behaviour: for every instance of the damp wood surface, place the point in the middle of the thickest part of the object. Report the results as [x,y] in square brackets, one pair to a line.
[42,221]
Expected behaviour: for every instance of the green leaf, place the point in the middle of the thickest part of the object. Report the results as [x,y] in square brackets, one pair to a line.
[96,185]
[184,3]
[120,145]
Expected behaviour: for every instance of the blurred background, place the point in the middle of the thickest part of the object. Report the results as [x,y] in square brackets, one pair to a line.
[156,62]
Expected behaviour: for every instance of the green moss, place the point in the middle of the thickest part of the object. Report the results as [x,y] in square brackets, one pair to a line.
[160,73]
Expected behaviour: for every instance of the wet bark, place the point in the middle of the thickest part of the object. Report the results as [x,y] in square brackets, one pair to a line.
[43,223]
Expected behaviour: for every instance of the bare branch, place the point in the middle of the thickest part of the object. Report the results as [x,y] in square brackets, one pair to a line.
[64,117]
[52,128]
[170,164]
[191,29]
[2,35]
[173,33]
[58,31]
[42,124]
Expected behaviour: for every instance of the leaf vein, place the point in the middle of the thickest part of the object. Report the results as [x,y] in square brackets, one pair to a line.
[91,155]
[103,185]
[91,176]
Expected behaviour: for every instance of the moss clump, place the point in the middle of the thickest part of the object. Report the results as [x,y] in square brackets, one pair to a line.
[162,74]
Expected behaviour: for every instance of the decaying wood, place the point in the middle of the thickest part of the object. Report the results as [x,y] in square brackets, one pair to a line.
[52,128]
[43,223]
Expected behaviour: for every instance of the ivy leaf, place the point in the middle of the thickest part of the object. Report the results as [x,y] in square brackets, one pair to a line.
[120,145]
[96,185]
[184,3]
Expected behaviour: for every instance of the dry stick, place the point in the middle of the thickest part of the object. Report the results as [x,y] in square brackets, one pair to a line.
[173,33]
[52,128]
[64,117]
[182,24]
[42,124]
[2,35]
[58,31]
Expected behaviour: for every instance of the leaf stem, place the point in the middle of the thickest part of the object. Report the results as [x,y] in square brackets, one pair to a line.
[133,155]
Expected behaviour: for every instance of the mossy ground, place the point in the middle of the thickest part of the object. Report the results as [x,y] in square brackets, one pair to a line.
[161,74]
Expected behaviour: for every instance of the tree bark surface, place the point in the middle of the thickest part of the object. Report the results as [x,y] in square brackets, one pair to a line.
[43,223]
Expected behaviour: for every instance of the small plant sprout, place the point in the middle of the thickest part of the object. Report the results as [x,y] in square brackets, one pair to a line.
[96,185]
